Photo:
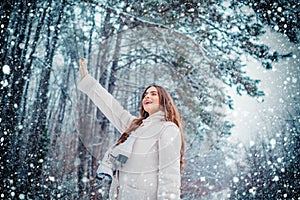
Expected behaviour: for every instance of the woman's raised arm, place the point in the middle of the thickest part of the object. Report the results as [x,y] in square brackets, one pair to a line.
[108,105]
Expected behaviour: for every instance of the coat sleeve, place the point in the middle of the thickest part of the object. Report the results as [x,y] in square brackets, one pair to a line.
[169,181]
[108,105]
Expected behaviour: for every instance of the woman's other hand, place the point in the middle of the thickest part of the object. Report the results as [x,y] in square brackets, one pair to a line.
[82,67]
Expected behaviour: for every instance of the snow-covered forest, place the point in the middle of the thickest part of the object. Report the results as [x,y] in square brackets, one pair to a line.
[52,135]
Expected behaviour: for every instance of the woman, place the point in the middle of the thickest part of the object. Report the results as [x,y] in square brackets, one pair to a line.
[147,158]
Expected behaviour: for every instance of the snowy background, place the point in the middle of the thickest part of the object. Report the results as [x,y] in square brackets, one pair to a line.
[280,85]
[205,53]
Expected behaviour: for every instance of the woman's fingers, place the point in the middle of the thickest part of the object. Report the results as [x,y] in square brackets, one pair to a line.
[82,67]
[81,63]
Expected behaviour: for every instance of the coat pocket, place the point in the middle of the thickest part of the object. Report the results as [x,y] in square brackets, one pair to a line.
[129,193]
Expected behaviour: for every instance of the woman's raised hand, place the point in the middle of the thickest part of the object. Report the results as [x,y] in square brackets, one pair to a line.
[82,67]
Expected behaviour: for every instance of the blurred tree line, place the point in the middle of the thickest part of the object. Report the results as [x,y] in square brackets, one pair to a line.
[52,136]
[271,169]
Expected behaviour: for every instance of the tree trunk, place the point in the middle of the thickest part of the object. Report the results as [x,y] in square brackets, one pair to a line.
[39,138]
[16,18]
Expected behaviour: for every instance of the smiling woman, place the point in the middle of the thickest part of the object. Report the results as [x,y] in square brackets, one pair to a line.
[146,161]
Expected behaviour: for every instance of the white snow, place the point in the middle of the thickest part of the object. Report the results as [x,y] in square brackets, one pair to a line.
[252,190]
[6,69]
[85,179]
[235,29]
[52,28]
[128,9]
[276,28]
[235,179]
[276,178]
[273,143]
[279,9]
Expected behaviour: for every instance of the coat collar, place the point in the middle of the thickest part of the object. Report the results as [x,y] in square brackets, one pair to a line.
[155,117]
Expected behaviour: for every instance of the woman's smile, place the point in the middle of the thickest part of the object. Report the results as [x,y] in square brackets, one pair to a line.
[147,102]
[151,100]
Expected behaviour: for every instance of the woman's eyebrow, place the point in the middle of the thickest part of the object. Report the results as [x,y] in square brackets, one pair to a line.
[152,91]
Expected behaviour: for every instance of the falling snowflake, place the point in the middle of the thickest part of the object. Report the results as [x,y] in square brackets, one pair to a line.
[276,178]
[6,69]
[235,179]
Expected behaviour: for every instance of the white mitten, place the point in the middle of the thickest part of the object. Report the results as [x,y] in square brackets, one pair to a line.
[106,167]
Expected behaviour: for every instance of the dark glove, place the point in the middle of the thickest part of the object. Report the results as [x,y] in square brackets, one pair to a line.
[101,187]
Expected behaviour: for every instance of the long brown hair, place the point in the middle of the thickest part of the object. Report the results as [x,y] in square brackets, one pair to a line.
[171,114]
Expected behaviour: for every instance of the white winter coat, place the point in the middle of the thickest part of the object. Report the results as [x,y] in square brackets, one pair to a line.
[153,170]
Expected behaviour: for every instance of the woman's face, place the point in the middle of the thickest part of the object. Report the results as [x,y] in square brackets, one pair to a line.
[150,101]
